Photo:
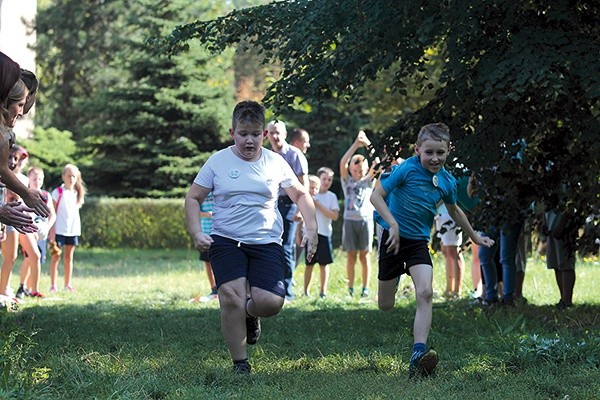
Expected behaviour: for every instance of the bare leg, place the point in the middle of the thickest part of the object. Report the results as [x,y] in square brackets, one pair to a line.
[449,271]
[54,260]
[210,275]
[476,270]
[68,252]
[365,261]
[568,284]
[422,276]
[9,255]
[307,277]
[30,268]
[324,278]
[386,294]
[232,301]
[350,262]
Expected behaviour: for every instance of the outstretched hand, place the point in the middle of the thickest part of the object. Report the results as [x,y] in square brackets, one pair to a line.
[37,201]
[15,215]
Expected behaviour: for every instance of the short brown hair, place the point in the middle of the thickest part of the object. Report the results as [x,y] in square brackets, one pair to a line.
[248,111]
[437,131]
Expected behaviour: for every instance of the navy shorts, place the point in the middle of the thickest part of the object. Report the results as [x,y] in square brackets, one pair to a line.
[412,252]
[261,264]
[324,253]
[204,256]
[61,240]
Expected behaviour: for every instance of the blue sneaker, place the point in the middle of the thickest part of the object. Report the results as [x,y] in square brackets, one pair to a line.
[423,362]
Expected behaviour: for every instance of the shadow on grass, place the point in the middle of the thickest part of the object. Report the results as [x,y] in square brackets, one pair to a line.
[162,349]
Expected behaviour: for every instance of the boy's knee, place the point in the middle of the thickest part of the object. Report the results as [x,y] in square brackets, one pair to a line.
[270,307]
[386,305]
[424,294]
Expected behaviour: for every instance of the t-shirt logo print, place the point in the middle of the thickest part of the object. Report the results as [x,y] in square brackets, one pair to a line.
[234,173]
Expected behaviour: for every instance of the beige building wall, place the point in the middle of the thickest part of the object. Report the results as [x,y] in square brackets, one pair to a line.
[16,41]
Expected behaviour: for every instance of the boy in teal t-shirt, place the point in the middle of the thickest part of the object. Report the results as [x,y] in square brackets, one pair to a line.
[407,201]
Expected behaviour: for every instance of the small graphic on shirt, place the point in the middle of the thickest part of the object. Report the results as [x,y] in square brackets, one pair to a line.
[234,173]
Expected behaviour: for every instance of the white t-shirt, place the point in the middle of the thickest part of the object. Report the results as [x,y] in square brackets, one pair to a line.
[68,222]
[330,201]
[245,193]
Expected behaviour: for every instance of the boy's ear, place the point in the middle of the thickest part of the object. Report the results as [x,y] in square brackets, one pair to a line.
[231,131]
[265,133]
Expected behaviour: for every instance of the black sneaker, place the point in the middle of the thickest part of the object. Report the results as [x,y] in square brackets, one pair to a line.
[242,367]
[252,329]
[423,362]
[20,292]
[507,303]
[365,292]
[351,291]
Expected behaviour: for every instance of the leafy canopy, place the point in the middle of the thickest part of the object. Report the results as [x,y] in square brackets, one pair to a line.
[516,78]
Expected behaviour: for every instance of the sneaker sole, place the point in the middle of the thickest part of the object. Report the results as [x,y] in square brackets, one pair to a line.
[428,362]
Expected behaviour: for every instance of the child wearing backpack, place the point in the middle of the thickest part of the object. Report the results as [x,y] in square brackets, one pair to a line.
[68,199]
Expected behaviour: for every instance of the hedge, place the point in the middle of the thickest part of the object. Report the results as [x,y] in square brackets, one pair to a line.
[134,223]
[143,224]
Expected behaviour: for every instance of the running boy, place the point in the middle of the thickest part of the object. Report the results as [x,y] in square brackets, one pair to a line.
[244,247]
[414,188]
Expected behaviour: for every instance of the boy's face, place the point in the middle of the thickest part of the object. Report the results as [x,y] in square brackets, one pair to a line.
[36,180]
[432,154]
[326,181]
[358,169]
[248,138]
[313,188]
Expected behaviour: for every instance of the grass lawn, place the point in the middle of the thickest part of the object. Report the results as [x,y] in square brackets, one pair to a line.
[130,332]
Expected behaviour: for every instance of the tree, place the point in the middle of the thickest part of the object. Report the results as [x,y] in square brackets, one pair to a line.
[517,77]
[148,122]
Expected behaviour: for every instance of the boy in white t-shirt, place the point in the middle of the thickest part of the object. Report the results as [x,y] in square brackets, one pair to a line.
[328,210]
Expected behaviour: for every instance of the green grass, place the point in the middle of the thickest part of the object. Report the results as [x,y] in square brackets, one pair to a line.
[131,333]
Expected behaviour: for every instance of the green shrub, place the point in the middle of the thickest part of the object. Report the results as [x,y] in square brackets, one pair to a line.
[145,224]
[134,223]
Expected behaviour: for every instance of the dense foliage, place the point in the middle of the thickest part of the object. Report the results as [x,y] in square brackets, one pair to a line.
[143,123]
[517,77]
[134,223]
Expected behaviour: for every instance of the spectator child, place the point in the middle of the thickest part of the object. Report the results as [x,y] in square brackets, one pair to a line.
[68,199]
[358,228]
[327,207]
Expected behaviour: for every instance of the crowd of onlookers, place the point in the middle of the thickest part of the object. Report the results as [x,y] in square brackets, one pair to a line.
[32,219]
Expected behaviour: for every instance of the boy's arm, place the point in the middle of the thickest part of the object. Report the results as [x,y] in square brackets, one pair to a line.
[194,197]
[378,200]
[331,214]
[346,158]
[461,220]
[299,195]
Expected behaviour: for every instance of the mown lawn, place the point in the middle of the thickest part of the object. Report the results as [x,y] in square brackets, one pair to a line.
[130,332]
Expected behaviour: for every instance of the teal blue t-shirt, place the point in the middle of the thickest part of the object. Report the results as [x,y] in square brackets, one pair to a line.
[412,197]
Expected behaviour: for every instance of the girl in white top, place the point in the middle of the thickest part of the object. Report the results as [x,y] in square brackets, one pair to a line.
[244,247]
[68,199]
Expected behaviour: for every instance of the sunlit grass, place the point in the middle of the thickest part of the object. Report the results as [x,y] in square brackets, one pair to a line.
[131,332]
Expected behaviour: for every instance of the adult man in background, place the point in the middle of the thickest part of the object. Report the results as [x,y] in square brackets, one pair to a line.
[277,134]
